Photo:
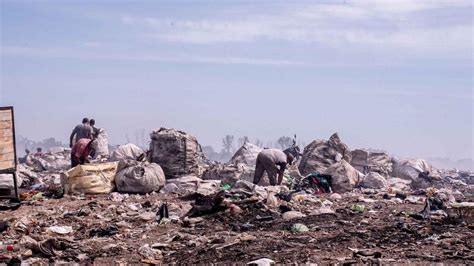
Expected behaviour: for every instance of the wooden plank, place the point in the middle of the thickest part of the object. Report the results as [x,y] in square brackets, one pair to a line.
[6,125]
[6,142]
[7,165]
[5,115]
[6,150]
[6,133]
[7,157]
[7,154]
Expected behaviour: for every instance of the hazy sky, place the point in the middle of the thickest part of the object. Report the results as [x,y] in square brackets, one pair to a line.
[393,75]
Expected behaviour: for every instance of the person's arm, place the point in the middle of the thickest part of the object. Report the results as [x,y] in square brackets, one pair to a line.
[281,172]
[74,131]
[91,133]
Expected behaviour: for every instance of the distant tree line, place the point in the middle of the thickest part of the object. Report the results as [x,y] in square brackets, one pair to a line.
[230,144]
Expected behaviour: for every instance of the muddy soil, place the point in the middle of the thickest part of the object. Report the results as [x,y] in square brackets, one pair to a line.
[384,232]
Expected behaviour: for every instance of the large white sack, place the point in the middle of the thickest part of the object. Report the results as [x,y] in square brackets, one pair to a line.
[140,177]
[228,173]
[247,154]
[399,184]
[374,180]
[321,154]
[90,178]
[126,152]
[103,143]
[177,152]
[344,176]
[410,169]
[366,161]
[188,183]
[191,184]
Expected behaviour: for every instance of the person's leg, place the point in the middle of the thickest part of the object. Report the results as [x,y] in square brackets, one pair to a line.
[271,169]
[272,176]
[259,170]
[74,161]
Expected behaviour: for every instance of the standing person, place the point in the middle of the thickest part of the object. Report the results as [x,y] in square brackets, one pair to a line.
[82,131]
[81,151]
[95,130]
[274,162]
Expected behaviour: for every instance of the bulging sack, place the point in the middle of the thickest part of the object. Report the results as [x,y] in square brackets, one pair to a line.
[320,155]
[90,178]
[103,147]
[177,152]
[139,177]
[126,152]
[247,154]
[366,161]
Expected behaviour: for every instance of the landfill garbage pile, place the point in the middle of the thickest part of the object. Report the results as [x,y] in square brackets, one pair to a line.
[366,161]
[131,209]
[203,222]
[40,173]
[247,154]
[177,152]
[56,159]
[321,154]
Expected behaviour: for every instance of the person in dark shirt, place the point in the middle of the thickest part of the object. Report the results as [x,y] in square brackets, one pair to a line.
[82,131]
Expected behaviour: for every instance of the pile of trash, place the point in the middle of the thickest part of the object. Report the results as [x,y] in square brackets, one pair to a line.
[320,154]
[177,152]
[171,204]
[366,161]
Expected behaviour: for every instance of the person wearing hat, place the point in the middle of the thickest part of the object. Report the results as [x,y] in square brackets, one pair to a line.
[274,162]
[82,131]
[81,151]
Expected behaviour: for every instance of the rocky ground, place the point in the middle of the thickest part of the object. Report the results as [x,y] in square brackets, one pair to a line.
[358,227]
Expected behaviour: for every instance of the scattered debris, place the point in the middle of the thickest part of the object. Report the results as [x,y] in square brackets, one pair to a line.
[299,228]
[61,230]
[193,219]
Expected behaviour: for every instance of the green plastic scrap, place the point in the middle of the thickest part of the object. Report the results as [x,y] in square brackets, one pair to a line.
[358,208]
[290,180]
[299,228]
[164,221]
[226,187]
[37,196]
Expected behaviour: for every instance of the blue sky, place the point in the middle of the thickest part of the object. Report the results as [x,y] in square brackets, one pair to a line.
[393,75]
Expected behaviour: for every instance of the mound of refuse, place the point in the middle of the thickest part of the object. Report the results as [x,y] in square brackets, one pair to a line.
[229,173]
[321,154]
[374,180]
[344,176]
[367,161]
[410,169]
[177,152]
[56,159]
[247,154]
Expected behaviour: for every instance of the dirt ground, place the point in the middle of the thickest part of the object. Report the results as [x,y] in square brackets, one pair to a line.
[383,233]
